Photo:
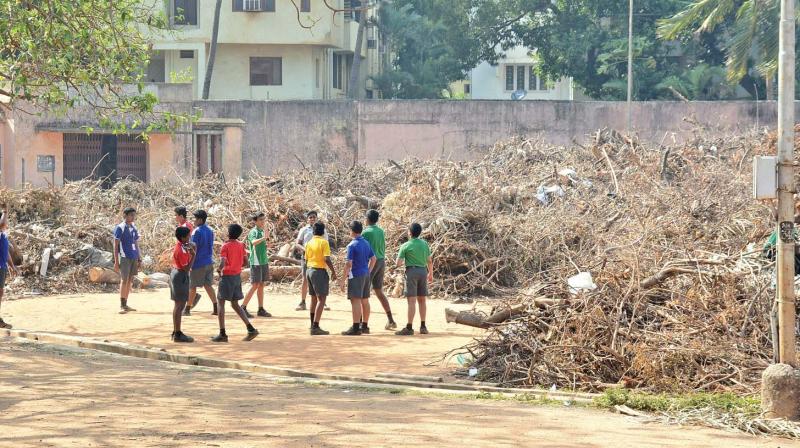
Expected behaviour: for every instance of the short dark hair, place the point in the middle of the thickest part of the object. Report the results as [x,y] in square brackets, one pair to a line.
[415,229]
[182,232]
[311,213]
[356,227]
[254,217]
[180,211]
[319,229]
[234,231]
[201,214]
[128,211]
[372,216]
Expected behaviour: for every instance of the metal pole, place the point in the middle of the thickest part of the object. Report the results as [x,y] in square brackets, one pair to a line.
[630,65]
[786,187]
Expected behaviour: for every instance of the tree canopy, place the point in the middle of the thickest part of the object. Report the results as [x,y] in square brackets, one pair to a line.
[60,54]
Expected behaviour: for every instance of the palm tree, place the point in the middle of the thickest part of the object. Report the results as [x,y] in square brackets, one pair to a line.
[212,54]
[753,33]
[353,87]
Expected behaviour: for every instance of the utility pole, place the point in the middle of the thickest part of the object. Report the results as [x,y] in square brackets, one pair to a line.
[786,187]
[630,66]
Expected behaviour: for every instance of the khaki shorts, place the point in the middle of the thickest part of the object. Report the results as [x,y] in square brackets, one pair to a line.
[128,268]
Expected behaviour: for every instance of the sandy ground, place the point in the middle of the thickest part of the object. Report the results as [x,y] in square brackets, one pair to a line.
[284,339]
[61,397]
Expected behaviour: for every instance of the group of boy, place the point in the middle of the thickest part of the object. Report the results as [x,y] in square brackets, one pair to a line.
[193,268]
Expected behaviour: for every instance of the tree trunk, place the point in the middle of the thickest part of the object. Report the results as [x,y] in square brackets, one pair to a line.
[103,275]
[353,87]
[768,81]
[212,52]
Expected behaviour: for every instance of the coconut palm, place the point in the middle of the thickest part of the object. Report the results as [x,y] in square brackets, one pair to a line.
[751,26]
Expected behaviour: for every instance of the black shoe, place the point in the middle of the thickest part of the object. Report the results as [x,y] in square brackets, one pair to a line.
[301,306]
[263,313]
[251,335]
[187,311]
[316,331]
[126,308]
[5,325]
[214,313]
[180,337]
[197,298]
[352,332]
[390,325]
[423,330]
[405,332]
[220,338]
[327,308]
[247,313]
[364,329]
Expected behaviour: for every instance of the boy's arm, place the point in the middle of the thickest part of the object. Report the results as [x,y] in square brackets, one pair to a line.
[430,269]
[221,265]
[330,266]
[116,255]
[372,262]
[11,267]
[192,255]
[347,267]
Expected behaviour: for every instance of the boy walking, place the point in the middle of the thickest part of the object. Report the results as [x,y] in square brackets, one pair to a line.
[360,262]
[232,258]
[415,255]
[182,258]
[259,264]
[127,258]
[6,263]
[318,256]
[202,274]
[303,237]
[377,241]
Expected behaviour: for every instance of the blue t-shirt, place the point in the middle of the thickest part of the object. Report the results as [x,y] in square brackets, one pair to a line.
[359,252]
[128,237]
[203,237]
[3,250]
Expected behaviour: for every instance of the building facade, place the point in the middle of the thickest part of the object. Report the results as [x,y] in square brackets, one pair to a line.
[267,49]
[515,72]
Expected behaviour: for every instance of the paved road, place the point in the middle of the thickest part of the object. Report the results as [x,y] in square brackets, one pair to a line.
[60,397]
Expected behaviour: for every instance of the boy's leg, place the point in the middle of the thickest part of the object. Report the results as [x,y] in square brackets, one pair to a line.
[249,295]
[3,324]
[384,303]
[212,295]
[177,311]
[412,311]
[320,307]
[422,307]
[365,311]
[221,314]
[355,306]
[251,331]
[260,295]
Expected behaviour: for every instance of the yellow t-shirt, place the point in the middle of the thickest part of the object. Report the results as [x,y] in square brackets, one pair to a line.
[316,251]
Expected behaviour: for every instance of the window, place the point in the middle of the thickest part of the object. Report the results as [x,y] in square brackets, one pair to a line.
[533,79]
[543,84]
[305,5]
[337,71]
[371,44]
[184,12]
[468,88]
[156,68]
[349,7]
[509,77]
[266,71]
[520,77]
[253,5]
[187,54]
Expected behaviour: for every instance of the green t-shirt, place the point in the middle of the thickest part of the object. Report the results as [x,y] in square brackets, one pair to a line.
[258,253]
[377,240]
[415,252]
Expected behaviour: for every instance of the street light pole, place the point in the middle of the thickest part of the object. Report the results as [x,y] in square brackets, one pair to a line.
[786,187]
[630,65]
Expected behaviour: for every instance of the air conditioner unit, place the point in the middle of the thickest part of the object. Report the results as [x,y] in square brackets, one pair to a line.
[252,5]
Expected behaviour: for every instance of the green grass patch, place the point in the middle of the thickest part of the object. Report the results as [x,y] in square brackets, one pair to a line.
[722,402]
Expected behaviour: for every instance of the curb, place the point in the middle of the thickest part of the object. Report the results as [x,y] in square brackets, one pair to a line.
[160,354]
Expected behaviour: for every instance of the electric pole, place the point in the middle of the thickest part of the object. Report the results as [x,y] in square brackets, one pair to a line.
[786,187]
[630,66]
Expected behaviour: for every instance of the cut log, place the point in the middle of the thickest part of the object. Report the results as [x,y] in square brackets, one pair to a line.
[289,260]
[479,320]
[279,273]
[103,275]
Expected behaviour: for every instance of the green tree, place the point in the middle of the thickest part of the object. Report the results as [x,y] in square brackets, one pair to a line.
[58,54]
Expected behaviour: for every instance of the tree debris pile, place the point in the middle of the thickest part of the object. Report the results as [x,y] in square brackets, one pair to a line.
[627,262]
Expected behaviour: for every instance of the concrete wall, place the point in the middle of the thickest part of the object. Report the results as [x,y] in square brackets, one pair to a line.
[280,135]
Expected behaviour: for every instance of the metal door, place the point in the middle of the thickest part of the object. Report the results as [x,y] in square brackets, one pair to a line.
[131,158]
[81,155]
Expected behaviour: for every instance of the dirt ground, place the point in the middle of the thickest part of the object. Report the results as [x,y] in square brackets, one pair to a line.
[54,396]
[284,339]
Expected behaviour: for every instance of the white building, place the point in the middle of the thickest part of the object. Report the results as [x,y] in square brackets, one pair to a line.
[515,71]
